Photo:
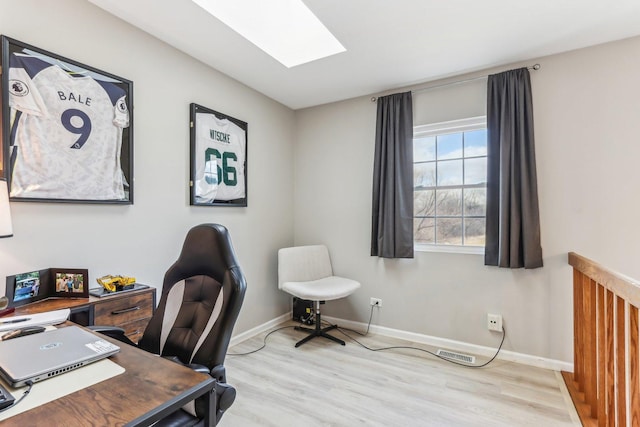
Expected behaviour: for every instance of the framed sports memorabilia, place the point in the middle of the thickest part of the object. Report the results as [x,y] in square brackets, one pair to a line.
[218,159]
[67,129]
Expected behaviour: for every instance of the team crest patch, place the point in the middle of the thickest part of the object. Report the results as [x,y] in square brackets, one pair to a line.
[18,88]
[122,106]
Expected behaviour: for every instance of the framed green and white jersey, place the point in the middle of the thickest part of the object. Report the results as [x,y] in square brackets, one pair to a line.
[218,159]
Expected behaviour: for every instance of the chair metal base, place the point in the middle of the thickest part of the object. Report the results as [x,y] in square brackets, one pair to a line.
[317,332]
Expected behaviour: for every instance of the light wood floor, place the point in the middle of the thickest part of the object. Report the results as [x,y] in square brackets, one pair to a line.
[324,384]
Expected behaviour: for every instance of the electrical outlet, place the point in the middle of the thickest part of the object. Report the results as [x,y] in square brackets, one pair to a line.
[494,322]
[376,301]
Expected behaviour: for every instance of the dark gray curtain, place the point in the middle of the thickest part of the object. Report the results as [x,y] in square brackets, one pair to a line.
[513,219]
[392,211]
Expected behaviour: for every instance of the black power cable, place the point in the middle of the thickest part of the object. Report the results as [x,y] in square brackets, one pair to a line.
[455,362]
[342,331]
[264,343]
[27,391]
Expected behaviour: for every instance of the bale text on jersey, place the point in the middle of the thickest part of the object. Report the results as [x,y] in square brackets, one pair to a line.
[66,133]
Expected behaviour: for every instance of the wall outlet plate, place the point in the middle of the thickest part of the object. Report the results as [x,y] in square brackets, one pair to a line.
[494,322]
[376,301]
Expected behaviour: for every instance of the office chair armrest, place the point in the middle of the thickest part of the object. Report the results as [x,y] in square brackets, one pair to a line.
[225,393]
[196,367]
[112,332]
[219,373]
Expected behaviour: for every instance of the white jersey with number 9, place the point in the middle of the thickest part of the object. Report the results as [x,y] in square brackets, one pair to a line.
[66,133]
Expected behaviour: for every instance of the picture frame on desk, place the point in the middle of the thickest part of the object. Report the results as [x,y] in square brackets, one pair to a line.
[25,288]
[70,282]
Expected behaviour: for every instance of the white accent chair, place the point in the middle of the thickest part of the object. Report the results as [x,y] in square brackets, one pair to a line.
[306,272]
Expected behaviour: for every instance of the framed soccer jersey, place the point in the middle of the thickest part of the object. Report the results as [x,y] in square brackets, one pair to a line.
[67,129]
[218,158]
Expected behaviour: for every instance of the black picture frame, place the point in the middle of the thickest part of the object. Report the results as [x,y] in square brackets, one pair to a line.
[25,288]
[19,292]
[86,129]
[218,169]
[70,282]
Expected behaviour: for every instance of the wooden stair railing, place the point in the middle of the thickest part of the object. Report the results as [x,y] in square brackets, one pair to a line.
[605,384]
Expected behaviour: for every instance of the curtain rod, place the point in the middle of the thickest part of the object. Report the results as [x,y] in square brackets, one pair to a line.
[424,89]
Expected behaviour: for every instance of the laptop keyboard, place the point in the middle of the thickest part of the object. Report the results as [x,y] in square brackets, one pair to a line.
[6,399]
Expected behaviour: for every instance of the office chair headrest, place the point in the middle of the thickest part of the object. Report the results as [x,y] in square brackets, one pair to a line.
[207,250]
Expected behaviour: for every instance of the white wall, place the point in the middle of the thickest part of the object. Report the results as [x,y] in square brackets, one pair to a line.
[586,109]
[313,169]
[142,240]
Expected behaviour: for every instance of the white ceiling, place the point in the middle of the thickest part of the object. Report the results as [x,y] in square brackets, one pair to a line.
[390,43]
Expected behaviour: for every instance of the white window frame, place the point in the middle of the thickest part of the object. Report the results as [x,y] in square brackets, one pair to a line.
[433,129]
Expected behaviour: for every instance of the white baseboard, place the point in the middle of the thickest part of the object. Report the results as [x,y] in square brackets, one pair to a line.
[237,339]
[512,356]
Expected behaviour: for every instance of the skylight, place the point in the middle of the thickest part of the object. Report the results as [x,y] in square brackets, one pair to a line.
[285,29]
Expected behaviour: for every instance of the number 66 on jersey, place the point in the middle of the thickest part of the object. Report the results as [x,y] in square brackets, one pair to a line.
[218,159]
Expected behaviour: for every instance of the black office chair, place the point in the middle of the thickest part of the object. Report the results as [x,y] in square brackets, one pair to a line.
[201,298]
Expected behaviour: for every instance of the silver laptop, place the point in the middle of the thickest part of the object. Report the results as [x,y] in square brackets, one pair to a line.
[41,356]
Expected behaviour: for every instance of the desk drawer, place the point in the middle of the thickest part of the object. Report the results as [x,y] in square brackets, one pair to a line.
[124,310]
[134,330]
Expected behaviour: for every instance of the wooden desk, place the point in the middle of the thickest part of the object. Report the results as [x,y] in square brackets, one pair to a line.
[130,310]
[150,389]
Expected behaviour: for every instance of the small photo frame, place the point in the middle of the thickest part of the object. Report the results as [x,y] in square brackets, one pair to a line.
[70,282]
[218,170]
[27,287]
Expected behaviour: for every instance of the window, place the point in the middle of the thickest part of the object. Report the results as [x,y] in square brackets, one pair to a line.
[450,185]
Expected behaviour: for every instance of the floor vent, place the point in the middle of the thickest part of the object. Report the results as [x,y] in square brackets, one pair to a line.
[456,356]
